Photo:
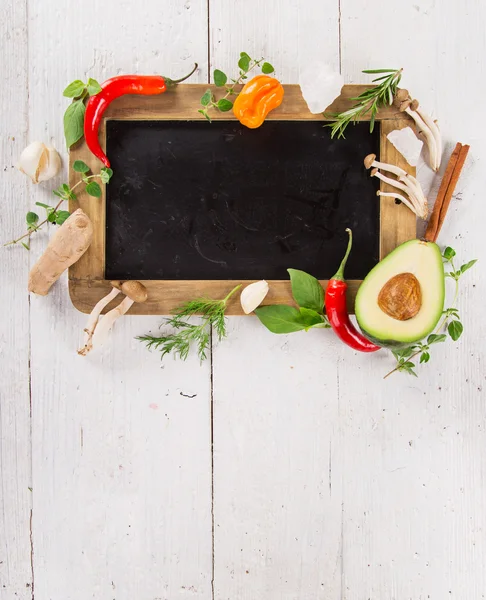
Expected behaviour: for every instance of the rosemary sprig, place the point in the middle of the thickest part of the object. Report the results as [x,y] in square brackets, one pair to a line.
[369,101]
[450,322]
[179,343]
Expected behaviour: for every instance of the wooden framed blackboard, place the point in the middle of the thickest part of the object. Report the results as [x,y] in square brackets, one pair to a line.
[195,207]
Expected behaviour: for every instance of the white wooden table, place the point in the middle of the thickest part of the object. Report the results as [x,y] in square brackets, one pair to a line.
[284,467]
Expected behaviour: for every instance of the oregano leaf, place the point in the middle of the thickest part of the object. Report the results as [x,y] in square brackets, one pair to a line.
[455,329]
[93,189]
[468,265]
[220,78]
[80,166]
[224,105]
[267,68]
[61,216]
[244,62]
[206,98]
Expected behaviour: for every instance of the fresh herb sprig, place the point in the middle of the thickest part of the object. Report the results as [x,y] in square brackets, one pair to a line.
[53,213]
[369,101]
[179,343]
[224,104]
[74,115]
[308,295]
[450,322]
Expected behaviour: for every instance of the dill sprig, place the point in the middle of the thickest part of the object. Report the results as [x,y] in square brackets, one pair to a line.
[370,100]
[179,343]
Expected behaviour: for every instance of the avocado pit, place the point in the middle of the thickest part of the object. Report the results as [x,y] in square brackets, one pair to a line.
[401,297]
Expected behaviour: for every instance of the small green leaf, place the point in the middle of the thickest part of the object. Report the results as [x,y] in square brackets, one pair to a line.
[306,290]
[435,338]
[61,216]
[26,246]
[224,105]
[468,265]
[204,112]
[74,122]
[106,174]
[42,205]
[455,330]
[373,71]
[74,89]
[220,78]
[310,318]
[281,319]
[65,188]
[408,367]
[80,166]
[449,253]
[206,98]
[93,87]
[93,189]
[424,357]
[267,68]
[32,218]
[405,352]
[244,54]
[244,62]
[51,217]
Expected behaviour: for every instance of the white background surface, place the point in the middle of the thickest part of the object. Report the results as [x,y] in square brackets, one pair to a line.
[323,481]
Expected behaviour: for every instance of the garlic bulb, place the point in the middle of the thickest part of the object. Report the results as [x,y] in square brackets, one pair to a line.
[253,295]
[39,162]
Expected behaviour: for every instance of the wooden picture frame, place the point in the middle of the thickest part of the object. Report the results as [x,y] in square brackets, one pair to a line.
[86,278]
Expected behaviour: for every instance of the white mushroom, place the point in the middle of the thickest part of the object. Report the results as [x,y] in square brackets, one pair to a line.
[95,315]
[419,211]
[134,292]
[432,125]
[370,161]
[410,107]
[415,195]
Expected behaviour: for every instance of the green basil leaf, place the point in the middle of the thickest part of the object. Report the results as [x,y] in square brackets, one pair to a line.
[31,218]
[267,68]
[424,357]
[74,89]
[220,78]
[244,62]
[106,174]
[93,189]
[93,87]
[225,105]
[74,122]
[80,166]
[449,253]
[310,318]
[434,338]
[61,216]
[281,319]
[206,98]
[306,290]
[468,265]
[455,330]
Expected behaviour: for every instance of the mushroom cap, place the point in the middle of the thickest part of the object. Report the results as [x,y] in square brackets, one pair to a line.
[378,192]
[373,172]
[402,94]
[116,284]
[404,105]
[135,290]
[414,105]
[369,160]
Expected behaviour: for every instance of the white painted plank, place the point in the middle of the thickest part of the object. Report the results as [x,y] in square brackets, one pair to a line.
[15,449]
[414,475]
[277,448]
[122,462]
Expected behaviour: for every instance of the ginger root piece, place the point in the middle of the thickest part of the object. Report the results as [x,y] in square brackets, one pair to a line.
[66,246]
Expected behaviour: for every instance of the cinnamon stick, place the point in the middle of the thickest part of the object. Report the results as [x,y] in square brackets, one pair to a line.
[446,190]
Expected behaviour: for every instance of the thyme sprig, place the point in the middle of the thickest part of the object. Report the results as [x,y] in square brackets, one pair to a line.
[212,314]
[369,101]
[224,104]
[450,322]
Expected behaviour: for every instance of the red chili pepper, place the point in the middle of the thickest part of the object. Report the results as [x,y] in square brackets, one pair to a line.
[146,85]
[337,313]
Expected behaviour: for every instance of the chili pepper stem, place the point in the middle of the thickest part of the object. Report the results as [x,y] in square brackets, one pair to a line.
[169,81]
[340,272]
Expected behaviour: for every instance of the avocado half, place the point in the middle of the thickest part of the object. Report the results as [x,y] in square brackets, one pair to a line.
[421,259]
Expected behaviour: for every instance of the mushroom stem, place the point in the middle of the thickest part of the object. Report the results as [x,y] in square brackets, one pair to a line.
[405,201]
[93,320]
[435,132]
[398,184]
[370,161]
[416,187]
[429,136]
[101,332]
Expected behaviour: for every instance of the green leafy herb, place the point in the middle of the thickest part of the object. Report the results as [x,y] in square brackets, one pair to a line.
[368,102]
[106,174]
[74,115]
[186,334]
[80,166]
[450,322]
[306,290]
[245,64]
[93,189]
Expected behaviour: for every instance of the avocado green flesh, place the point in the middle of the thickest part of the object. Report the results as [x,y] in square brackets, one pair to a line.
[422,259]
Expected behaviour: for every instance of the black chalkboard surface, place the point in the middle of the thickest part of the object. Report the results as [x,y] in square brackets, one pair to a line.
[197,200]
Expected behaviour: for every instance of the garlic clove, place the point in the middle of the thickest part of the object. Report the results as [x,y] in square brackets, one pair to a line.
[407,143]
[39,162]
[253,295]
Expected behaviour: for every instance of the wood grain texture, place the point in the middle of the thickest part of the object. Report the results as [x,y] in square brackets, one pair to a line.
[86,277]
[122,462]
[277,419]
[15,447]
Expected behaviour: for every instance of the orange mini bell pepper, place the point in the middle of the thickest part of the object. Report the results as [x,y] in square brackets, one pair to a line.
[257,98]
